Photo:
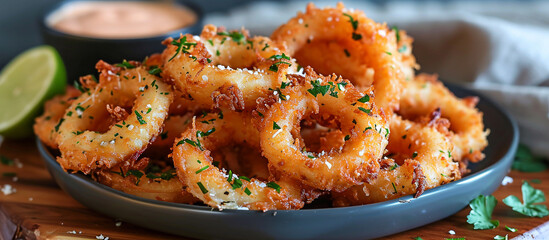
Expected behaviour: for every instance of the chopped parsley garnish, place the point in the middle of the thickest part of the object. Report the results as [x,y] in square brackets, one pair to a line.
[190,142]
[59,124]
[266,46]
[6,161]
[78,107]
[364,110]
[79,132]
[511,229]
[236,36]
[148,110]
[155,71]
[202,169]
[389,53]
[364,99]
[138,174]
[247,191]
[278,57]
[211,42]
[347,137]
[498,237]
[356,36]
[341,86]
[279,93]
[217,53]
[274,67]
[275,126]
[414,155]
[118,125]
[397,33]
[220,115]
[417,238]
[394,188]
[167,175]
[318,88]
[182,46]
[79,87]
[230,178]
[366,129]
[354,23]
[164,135]
[284,85]
[125,64]
[245,178]
[236,183]
[481,212]
[69,113]
[393,167]
[404,136]
[274,186]
[204,134]
[530,196]
[202,188]
[9,174]
[139,118]
[346,52]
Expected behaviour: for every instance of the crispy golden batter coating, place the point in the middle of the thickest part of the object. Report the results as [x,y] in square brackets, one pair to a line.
[84,146]
[218,65]
[336,102]
[346,42]
[419,158]
[45,125]
[222,188]
[425,94]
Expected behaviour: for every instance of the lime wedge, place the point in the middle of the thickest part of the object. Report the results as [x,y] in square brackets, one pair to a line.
[25,83]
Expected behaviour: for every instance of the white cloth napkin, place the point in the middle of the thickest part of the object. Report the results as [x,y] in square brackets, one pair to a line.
[498,48]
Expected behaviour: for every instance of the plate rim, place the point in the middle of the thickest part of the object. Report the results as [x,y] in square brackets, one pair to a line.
[505,159]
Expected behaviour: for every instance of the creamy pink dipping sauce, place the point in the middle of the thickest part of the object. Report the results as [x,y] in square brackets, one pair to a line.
[120,19]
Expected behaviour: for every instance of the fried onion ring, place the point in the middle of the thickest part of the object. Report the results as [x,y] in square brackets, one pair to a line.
[216,187]
[328,99]
[325,38]
[45,125]
[84,146]
[420,159]
[219,65]
[425,94]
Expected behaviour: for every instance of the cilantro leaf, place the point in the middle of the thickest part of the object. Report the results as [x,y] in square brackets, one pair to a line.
[318,88]
[525,161]
[530,196]
[481,212]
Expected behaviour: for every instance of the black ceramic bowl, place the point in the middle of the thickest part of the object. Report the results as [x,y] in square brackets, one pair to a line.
[357,222]
[80,54]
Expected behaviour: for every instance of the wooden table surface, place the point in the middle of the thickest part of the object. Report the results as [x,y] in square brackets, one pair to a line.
[40,209]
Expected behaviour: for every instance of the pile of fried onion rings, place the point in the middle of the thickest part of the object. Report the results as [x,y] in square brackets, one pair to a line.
[328,107]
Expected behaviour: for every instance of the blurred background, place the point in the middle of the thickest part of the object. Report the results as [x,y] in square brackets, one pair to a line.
[19,19]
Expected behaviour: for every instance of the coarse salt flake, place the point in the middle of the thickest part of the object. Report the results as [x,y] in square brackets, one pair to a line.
[506,180]
[204,77]
[452,232]
[8,189]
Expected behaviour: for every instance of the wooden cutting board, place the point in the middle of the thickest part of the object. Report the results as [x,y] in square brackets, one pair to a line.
[39,209]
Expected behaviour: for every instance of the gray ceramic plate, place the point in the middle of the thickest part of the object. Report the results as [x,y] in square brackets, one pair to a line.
[359,222]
